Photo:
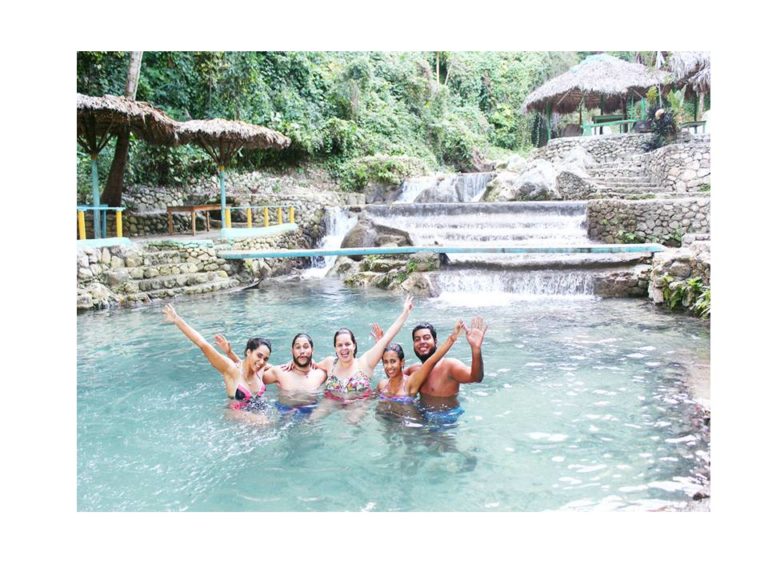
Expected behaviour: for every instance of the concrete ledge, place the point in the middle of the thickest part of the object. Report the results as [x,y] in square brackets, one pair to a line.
[103,242]
[592,249]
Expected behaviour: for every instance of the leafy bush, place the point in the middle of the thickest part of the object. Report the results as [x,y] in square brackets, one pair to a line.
[690,294]
[355,174]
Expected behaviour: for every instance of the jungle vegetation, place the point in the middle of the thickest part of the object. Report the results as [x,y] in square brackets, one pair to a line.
[361,115]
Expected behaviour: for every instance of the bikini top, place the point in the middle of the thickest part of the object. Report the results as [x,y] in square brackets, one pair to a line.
[243,392]
[357,383]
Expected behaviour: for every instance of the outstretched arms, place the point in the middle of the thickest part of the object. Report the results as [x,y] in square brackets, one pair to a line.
[373,356]
[218,361]
[417,378]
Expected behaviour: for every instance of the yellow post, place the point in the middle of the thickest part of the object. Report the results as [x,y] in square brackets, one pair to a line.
[279,214]
[119,223]
[229,217]
[81,224]
[249,217]
[266,217]
[290,215]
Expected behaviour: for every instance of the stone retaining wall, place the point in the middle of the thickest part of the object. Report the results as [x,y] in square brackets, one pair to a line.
[637,221]
[143,272]
[683,167]
[674,269]
[602,148]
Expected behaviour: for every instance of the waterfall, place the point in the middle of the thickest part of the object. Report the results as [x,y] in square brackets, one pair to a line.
[479,288]
[413,187]
[483,279]
[338,222]
[450,188]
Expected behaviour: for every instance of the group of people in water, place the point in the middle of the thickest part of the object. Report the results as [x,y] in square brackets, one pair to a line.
[426,392]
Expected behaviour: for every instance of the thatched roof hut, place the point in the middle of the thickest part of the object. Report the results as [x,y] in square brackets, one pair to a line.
[691,70]
[221,139]
[599,81]
[99,117]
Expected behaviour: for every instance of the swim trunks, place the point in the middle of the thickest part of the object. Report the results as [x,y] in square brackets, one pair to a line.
[400,399]
[300,410]
[443,418]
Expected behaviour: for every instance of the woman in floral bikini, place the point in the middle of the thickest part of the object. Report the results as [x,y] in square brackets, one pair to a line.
[349,377]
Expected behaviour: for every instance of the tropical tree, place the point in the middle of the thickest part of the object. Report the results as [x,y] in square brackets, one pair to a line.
[113,190]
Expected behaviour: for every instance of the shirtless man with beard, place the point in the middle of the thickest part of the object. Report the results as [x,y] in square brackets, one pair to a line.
[438,396]
[298,387]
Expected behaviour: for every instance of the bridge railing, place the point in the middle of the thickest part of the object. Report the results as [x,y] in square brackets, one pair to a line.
[262,212]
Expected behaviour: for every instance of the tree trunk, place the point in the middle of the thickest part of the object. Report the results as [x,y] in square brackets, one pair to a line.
[113,190]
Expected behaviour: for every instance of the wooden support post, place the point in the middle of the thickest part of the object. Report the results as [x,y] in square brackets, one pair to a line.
[249,217]
[279,214]
[81,224]
[266,217]
[228,217]
[290,215]
[119,223]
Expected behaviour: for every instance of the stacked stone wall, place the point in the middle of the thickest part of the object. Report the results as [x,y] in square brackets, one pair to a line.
[602,148]
[143,272]
[636,221]
[674,270]
[683,167]
[145,206]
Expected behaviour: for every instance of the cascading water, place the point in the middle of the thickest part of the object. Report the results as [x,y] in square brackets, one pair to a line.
[501,276]
[338,221]
[467,187]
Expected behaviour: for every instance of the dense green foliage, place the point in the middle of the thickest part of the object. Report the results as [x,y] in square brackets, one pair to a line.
[364,115]
[688,294]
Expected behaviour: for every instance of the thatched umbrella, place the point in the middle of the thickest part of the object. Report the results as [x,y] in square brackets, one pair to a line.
[692,70]
[99,118]
[600,80]
[222,139]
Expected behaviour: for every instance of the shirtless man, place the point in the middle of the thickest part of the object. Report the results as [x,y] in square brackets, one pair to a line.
[438,396]
[299,386]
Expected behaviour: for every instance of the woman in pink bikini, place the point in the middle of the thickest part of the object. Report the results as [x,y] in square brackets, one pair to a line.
[349,377]
[243,380]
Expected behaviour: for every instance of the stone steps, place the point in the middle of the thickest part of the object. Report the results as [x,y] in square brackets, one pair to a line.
[170,281]
[618,172]
[165,293]
[631,190]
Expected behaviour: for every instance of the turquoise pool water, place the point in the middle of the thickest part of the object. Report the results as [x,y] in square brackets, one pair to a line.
[584,406]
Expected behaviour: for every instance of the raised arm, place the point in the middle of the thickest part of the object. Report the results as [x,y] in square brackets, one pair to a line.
[218,361]
[418,377]
[373,356]
[475,334]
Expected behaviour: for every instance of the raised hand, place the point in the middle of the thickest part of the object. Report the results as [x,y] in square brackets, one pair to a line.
[377,332]
[457,329]
[170,313]
[476,332]
[408,304]
[223,344]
